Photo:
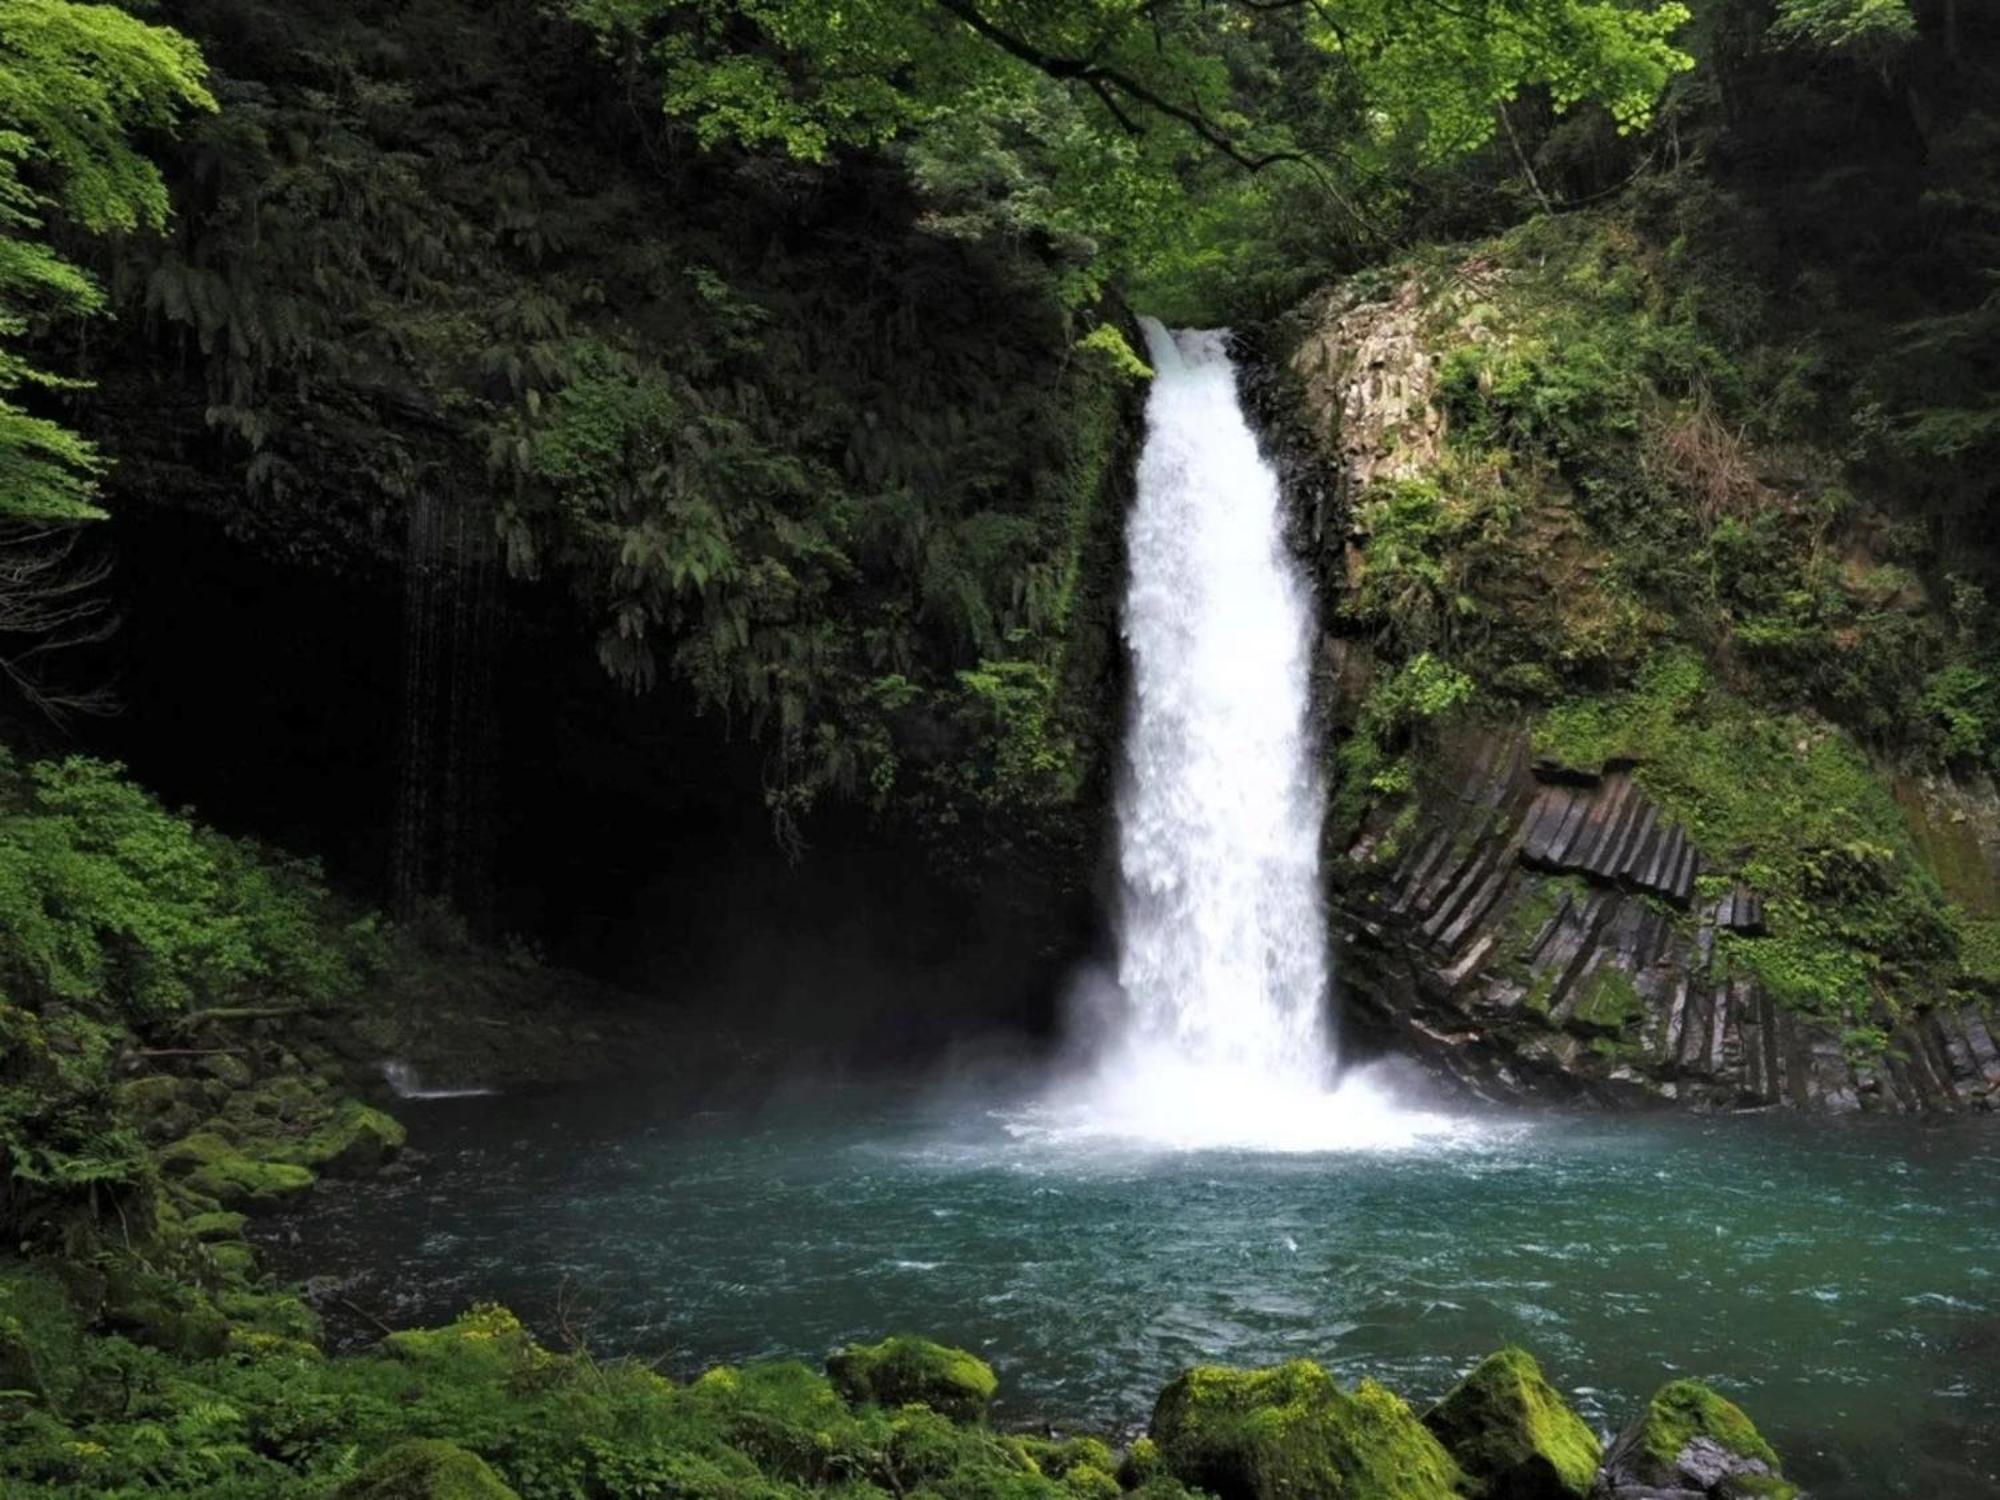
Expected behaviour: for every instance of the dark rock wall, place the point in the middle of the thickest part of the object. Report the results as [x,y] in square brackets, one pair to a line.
[1544,936]
[1539,930]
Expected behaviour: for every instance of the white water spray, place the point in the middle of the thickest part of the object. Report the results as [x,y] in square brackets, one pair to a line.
[1223,946]
[1217,1032]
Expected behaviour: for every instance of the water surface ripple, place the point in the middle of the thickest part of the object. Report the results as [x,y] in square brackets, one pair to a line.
[1840,1280]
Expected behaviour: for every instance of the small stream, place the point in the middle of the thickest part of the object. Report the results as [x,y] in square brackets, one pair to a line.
[1843,1280]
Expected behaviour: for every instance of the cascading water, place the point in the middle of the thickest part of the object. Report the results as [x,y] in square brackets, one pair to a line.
[1216,1032]
[1223,946]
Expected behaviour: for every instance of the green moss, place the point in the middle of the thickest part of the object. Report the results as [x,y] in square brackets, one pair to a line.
[287,1097]
[355,1141]
[1524,922]
[232,1260]
[1685,1410]
[1607,1001]
[1513,1434]
[1290,1433]
[426,1469]
[213,1165]
[1853,914]
[486,1338]
[221,1224]
[152,1094]
[1141,1464]
[905,1371]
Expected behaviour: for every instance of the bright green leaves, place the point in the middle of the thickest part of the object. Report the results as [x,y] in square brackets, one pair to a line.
[1867,28]
[106,897]
[1432,76]
[75,81]
[1098,123]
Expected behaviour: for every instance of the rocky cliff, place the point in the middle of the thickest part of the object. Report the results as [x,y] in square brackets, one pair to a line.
[1532,911]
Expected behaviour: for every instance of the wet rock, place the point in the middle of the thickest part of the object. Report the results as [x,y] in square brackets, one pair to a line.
[1513,1434]
[1692,1444]
[1291,1433]
[1539,938]
[913,1371]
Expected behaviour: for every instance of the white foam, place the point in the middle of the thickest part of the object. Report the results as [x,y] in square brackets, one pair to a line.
[1213,1033]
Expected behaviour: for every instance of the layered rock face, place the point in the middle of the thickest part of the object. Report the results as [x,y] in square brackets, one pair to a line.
[1533,927]
[1541,932]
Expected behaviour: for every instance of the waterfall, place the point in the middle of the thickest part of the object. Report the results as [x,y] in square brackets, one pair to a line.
[447,772]
[1216,1031]
[1222,943]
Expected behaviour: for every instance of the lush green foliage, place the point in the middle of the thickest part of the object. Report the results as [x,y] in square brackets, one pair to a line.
[76,82]
[1375,763]
[795,454]
[116,917]
[1088,123]
[553,1426]
[1858,924]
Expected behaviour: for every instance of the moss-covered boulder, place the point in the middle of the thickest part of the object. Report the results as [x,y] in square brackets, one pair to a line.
[1513,1434]
[1689,1441]
[1084,1466]
[915,1372]
[215,1166]
[426,1469]
[1290,1433]
[286,1097]
[485,1338]
[355,1141]
[161,1105]
[219,1225]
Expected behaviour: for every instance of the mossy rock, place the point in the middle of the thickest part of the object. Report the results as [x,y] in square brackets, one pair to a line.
[1290,1433]
[1692,1441]
[356,1141]
[219,1225]
[915,1372]
[227,1069]
[1513,1434]
[162,1106]
[426,1469]
[232,1260]
[286,1097]
[1141,1464]
[1084,1466]
[212,1165]
[484,1337]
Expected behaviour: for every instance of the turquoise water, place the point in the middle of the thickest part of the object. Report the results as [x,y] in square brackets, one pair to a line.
[1841,1278]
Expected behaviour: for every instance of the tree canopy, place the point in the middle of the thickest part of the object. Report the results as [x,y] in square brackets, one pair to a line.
[1089,122]
[76,81]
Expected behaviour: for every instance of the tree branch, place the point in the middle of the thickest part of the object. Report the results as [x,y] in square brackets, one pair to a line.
[1105,82]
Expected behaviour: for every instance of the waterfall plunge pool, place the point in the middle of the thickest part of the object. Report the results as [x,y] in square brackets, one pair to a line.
[1843,1280]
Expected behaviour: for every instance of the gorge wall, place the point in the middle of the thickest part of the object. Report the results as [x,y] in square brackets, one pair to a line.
[1541,881]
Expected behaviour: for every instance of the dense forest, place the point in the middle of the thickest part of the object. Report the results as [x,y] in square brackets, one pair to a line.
[559,540]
